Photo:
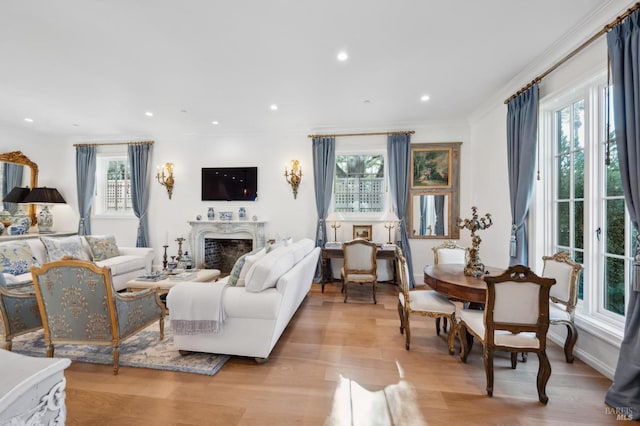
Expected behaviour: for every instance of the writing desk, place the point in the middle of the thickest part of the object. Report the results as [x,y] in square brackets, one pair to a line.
[387,252]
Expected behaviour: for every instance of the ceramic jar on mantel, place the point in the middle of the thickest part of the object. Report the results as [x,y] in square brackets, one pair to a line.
[242,213]
[211,213]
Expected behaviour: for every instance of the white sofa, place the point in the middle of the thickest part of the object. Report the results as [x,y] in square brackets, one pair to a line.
[255,319]
[132,262]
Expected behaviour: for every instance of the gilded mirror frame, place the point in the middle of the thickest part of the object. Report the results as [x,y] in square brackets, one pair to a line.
[435,170]
[17,157]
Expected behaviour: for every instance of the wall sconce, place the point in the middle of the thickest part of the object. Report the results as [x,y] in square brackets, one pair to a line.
[294,176]
[390,219]
[165,177]
[335,217]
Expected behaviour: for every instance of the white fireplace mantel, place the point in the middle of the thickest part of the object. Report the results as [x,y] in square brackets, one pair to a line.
[223,229]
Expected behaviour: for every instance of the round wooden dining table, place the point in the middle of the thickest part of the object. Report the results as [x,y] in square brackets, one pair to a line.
[450,280]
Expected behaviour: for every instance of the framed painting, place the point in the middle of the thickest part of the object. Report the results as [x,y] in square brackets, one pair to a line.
[362,231]
[431,167]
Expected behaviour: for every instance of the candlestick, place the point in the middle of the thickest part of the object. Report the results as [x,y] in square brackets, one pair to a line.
[180,240]
[164,258]
[474,266]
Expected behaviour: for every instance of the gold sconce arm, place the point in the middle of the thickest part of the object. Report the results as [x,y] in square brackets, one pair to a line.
[294,176]
[165,177]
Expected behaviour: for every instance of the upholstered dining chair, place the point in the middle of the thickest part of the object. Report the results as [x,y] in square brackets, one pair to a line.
[19,312]
[448,252]
[427,303]
[79,305]
[563,295]
[359,265]
[515,319]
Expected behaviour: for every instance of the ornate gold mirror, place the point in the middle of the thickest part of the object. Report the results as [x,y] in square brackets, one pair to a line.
[434,193]
[17,157]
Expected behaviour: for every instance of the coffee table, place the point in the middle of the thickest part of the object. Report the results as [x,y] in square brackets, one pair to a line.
[164,285]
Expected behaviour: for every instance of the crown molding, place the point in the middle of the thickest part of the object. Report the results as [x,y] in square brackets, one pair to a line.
[575,36]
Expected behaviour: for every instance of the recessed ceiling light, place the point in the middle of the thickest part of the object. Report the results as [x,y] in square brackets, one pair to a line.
[215,123]
[367,101]
[148,114]
[75,125]
[273,107]
[28,120]
[424,98]
[342,56]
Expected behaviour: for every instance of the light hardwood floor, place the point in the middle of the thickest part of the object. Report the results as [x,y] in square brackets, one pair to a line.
[342,363]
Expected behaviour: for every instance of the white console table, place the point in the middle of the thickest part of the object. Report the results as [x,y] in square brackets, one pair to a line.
[32,390]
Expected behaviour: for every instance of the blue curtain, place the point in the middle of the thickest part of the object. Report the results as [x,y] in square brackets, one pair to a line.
[139,165]
[12,177]
[423,215]
[624,53]
[522,134]
[398,153]
[439,203]
[86,183]
[324,166]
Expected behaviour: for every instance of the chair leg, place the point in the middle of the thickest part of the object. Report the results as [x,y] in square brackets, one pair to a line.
[50,350]
[464,343]
[344,289]
[570,342]
[407,332]
[162,327]
[452,336]
[375,302]
[401,314]
[437,326]
[116,359]
[8,344]
[444,324]
[488,367]
[544,372]
[514,360]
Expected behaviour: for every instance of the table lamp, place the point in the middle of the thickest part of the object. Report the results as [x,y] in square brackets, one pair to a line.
[390,219]
[46,197]
[17,196]
[335,217]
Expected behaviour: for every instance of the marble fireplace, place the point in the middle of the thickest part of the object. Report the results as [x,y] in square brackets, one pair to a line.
[217,244]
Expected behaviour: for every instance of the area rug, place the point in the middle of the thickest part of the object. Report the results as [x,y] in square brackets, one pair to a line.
[144,350]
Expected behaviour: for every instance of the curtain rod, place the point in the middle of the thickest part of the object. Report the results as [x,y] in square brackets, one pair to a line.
[333,135]
[114,143]
[594,37]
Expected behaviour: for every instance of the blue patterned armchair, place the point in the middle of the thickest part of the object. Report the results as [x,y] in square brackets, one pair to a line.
[19,312]
[78,305]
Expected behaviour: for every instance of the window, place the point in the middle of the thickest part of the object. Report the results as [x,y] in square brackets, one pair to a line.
[113,185]
[585,212]
[359,185]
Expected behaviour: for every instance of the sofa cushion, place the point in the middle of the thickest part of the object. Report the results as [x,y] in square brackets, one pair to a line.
[59,247]
[265,273]
[16,258]
[237,267]
[122,264]
[102,246]
[249,261]
[301,248]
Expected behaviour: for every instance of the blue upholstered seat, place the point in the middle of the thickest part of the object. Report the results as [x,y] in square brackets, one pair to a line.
[19,312]
[78,304]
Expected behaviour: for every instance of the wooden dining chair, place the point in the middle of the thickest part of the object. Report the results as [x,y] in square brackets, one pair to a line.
[564,295]
[359,265]
[515,319]
[427,303]
[448,252]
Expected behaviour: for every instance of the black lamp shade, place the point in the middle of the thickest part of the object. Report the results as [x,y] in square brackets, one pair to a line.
[44,195]
[17,195]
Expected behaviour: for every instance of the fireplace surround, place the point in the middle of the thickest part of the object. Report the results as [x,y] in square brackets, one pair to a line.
[202,230]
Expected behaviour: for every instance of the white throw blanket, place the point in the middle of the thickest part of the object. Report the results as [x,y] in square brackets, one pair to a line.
[197,308]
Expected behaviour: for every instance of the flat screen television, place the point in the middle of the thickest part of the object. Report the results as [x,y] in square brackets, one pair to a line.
[229,183]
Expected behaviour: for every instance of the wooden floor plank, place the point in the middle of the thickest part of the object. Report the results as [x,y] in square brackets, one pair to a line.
[327,345]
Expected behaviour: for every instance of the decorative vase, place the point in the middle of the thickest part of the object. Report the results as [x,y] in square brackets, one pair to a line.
[242,213]
[15,229]
[211,213]
[1,228]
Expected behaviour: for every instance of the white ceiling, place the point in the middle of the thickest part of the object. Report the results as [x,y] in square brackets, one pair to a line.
[93,67]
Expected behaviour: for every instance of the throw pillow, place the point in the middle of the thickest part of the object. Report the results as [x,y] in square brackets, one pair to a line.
[102,247]
[237,268]
[269,269]
[249,261]
[59,247]
[16,258]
